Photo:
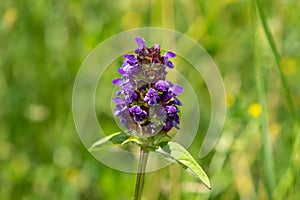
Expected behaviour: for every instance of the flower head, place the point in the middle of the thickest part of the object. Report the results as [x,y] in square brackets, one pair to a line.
[147,104]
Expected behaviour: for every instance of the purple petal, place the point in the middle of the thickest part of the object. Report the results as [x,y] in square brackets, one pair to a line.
[126,67]
[170,64]
[176,89]
[138,114]
[175,125]
[162,85]
[118,100]
[170,54]
[119,92]
[140,41]
[137,51]
[176,119]
[171,109]
[117,112]
[128,98]
[116,81]
[165,97]
[151,97]
[121,71]
[168,125]
[134,96]
[130,57]
[176,102]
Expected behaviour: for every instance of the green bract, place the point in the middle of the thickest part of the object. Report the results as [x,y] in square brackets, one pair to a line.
[170,150]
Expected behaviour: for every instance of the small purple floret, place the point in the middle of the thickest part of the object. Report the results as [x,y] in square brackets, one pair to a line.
[170,54]
[169,64]
[138,114]
[151,97]
[171,110]
[162,85]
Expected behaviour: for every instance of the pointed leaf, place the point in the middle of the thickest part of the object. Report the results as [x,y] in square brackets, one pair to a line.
[133,140]
[116,138]
[176,153]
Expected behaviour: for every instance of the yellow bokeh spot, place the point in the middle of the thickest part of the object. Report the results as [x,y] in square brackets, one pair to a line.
[10,17]
[254,110]
[37,112]
[275,131]
[289,66]
[230,100]
[19,165]
[71,174]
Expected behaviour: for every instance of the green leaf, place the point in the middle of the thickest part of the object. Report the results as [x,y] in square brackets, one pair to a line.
[133,140]
[176,153]
[116,138]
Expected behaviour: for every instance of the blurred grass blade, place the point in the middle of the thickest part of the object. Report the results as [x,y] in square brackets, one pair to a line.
[113,139]
[176,153]
[290,175]
[286,180]
[271,42]
[260,76]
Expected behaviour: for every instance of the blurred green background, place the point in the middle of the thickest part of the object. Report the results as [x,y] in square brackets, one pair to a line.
[42,45]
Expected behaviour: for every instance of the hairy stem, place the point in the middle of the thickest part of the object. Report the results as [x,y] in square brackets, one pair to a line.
[141,173]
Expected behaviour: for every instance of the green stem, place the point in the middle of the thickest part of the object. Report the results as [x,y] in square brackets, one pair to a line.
[141,173]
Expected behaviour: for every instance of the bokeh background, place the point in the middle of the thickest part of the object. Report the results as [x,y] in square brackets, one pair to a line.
[256,45]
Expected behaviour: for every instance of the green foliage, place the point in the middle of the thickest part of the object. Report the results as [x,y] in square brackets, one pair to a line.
[113,139]
[170,150]
[176,153]
[42,45]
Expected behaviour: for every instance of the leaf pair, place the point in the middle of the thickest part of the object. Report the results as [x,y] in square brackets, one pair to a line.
[170,150]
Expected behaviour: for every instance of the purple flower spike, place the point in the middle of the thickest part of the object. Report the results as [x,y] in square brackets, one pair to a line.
[146,103]
[151,97]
